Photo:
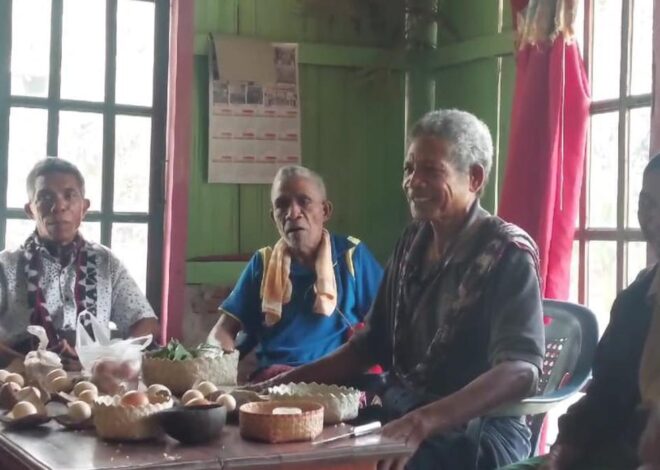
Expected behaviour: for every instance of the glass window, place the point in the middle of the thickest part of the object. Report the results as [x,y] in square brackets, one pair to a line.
[30,43]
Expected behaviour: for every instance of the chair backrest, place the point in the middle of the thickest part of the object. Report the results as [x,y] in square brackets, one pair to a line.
[571,337]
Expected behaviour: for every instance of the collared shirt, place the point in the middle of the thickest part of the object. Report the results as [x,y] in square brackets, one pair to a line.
[302,336]
[119,298]
[506,322]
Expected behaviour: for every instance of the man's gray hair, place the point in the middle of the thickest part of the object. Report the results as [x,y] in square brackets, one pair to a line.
[289,172]
[469,136]
[49,166]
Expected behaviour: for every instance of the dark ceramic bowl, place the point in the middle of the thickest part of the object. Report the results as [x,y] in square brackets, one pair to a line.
[193,424]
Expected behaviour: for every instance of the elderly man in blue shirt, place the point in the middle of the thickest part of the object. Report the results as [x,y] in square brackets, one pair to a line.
[302,298]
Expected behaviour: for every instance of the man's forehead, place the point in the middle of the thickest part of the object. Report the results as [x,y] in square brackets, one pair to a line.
[56,181]
[298,186]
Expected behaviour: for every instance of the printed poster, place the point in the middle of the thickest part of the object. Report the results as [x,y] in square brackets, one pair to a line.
[254,109]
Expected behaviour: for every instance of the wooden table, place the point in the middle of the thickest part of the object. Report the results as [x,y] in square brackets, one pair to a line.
[53,448]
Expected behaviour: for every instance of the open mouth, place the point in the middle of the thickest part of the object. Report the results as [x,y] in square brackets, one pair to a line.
[294,230]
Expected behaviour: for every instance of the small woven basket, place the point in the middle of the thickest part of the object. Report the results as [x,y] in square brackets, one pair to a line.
[257,421]
[114,421]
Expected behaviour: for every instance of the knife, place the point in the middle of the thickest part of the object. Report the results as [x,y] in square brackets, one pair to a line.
[356,432]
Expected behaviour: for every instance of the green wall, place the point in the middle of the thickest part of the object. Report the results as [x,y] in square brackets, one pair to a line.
[483,86]
[352,134]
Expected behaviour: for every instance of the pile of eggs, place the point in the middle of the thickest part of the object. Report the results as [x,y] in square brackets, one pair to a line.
[58,381]
[202,395]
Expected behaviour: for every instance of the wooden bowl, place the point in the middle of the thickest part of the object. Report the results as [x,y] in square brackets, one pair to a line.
[193,424]
[257,421]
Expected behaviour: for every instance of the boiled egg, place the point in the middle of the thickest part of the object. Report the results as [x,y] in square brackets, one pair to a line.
[134,398]
[60,384]
[228,401]
[84,385]
[23,409]
[16,378]
[197,402]
[79,411]
[54,374]
[191,395]
[88,396]
[206,388]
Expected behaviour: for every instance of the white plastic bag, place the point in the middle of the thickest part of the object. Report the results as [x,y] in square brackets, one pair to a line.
[112,364]
[40,362]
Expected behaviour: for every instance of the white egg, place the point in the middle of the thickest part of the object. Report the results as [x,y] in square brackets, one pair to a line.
[84,385]
[23,409]
[31,394]
[54,374]
[228,401]
[191,395]
[3,375]
[157,389]
[60,384]
[88,396]
[79,411]
[16,378]
[206,388]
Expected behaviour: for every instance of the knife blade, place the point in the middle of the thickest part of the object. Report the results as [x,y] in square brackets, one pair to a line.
[355,432]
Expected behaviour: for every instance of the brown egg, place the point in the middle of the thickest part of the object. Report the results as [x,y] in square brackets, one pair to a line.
[16,378]
[197,402]
[88,396]
[104,367]
[23,409]
[134,398]
[191,395]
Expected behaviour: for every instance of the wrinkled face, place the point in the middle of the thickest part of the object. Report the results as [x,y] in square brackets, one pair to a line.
[648,210]
[435,189]
[58,207]
[300,213]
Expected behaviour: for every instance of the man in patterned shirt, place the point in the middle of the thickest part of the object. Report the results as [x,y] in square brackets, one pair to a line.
[56,274]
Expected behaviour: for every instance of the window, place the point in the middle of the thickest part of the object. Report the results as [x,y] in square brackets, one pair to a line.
[609,249]
[86,80]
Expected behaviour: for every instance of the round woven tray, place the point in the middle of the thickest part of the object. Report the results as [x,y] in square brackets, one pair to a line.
[127,423]
[257,421]
[180,376]
[339,403]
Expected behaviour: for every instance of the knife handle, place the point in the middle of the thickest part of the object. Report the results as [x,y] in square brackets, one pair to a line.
[366,428]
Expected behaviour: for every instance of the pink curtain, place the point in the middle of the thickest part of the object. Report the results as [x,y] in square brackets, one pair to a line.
[543,178]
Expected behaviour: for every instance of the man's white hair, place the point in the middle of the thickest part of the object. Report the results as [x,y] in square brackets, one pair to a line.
[469,136]
[290,172]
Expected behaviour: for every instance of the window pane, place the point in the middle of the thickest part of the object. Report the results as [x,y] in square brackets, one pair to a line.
[30,52]
[601,282]
[638,155]
[81,142]
[635,258]
[573,294]
[603,167]
[83,50]
[27,144]
[91,231]
[642,44]
[578,27]
[132,153]
[606,49]
[129,244]
[17,231]
[135,52]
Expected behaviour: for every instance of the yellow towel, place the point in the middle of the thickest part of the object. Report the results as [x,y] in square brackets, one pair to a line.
[649,369]
[277,284]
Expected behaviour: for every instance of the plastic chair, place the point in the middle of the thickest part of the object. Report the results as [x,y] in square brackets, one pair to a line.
[571,337]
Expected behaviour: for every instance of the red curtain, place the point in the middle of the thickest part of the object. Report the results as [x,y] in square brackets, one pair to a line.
[543,178]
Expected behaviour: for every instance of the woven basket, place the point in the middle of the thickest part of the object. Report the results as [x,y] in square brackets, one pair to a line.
[180,376]
[257,421]
[127,423]
[340,403]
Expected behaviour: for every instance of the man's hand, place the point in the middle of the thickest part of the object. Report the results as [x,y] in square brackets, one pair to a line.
[411,429]
[68,355]
[561,457]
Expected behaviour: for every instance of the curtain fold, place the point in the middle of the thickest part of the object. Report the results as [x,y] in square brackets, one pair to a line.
[547,142]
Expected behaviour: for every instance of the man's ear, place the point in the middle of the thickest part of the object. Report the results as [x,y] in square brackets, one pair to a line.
[28,210]
[327,210]
[477,178]
[86,204]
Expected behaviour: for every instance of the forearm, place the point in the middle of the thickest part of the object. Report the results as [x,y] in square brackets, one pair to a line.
[219,336]
[505,383]
[7,354]
[146,326]
[338,367]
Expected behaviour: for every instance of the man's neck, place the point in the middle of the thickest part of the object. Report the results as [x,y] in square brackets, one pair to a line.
[59,250]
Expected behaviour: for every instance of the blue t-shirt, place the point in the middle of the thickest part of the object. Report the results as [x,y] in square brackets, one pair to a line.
[302,336]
